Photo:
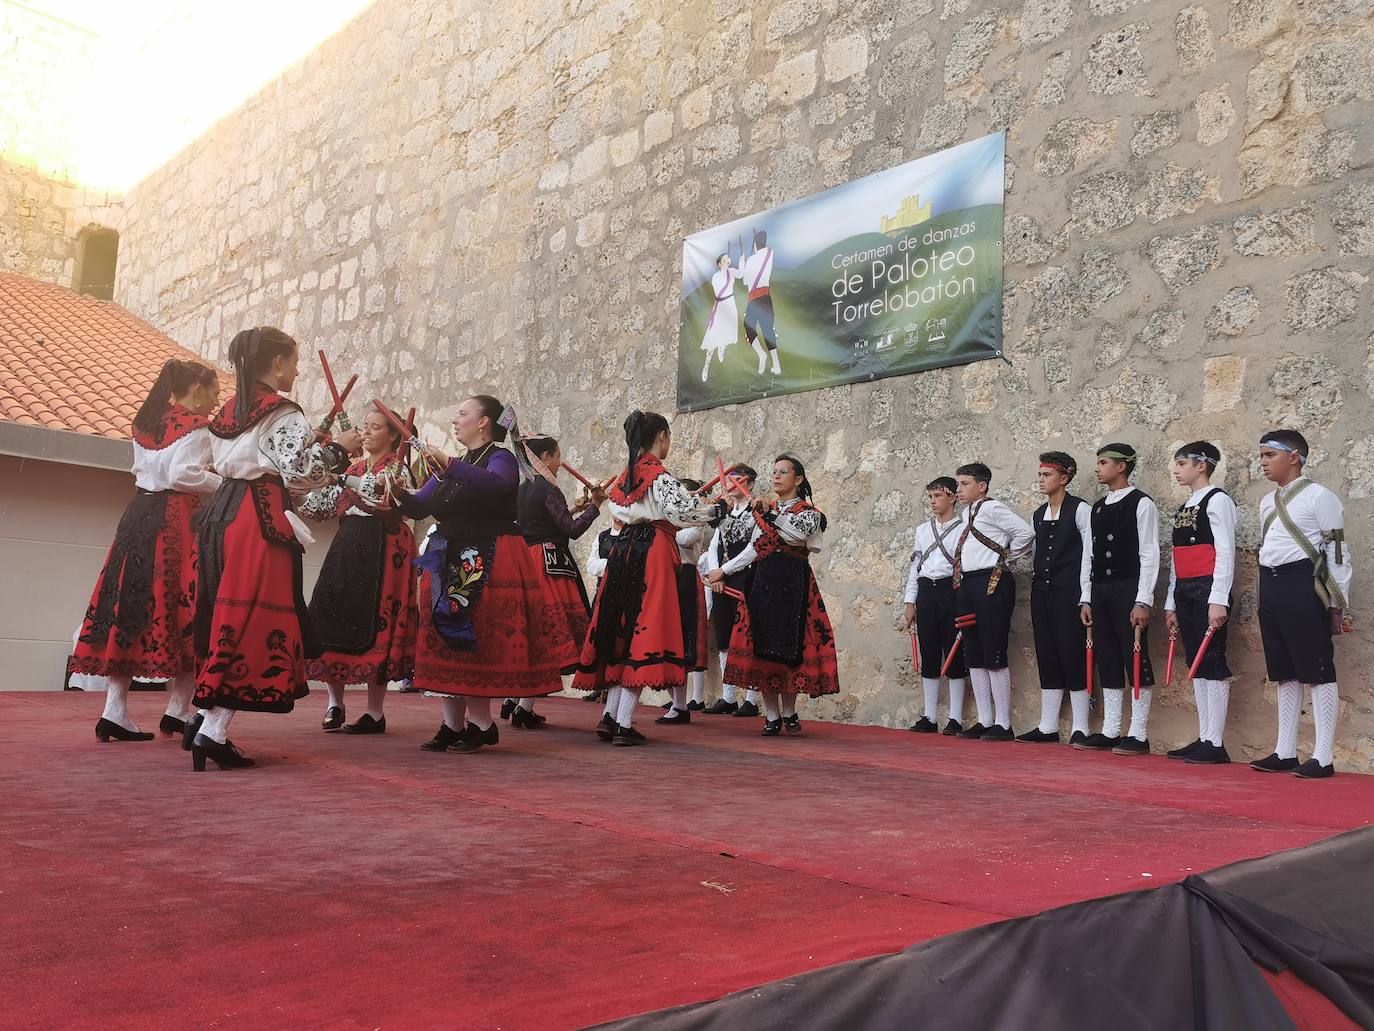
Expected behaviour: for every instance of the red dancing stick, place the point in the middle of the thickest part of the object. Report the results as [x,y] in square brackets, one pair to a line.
[339,398]
[708,484]
[1135,694]
[962,623]
[329,377]
[1089,650]
[406,435]
[728,478]
[1169,664]
[915,653]
[1201,651]
[738,595]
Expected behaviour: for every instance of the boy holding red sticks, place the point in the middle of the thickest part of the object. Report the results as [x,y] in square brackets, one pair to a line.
[1199,600]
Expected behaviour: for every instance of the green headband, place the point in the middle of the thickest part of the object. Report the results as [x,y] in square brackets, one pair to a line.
[1116,455]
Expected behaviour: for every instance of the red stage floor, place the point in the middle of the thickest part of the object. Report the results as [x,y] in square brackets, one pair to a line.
[554,881]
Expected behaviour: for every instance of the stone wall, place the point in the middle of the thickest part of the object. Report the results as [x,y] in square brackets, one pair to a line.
[448,201]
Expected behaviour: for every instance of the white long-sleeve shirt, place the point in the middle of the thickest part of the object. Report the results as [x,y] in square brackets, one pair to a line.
[798,528]
[1147,532]
[690,542]
[757,269]
[596,565]
[738,515]
[183,465]
[1221,514]
[999,524]
[934,565]
[1317,513]
[1083,520]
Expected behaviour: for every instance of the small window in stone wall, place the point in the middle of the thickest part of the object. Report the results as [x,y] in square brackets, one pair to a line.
[99,252]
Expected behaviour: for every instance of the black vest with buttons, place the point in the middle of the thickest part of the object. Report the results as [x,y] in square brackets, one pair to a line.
[1058,548]
[1191,525]
[1116,541]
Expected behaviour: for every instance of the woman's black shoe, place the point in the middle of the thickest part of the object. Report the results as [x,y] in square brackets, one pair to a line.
[792,724]
[226,756]
[171,726]
[365,724]
[333,719]
[696,706]
[443,737]
[675,716]
[595,696]
[772,728]
[106,729]
[526,720]
[720,707]
[628,736]
[192,729]
[507,707]
[746,709]
[924,726]
[474,737]
[606,728]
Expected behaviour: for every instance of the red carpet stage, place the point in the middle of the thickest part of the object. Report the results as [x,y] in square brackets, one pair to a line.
[555,881]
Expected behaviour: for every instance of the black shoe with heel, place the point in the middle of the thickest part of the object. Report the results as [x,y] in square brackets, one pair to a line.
[507,707]
[107,729]
[226,756]
[525,719]
[171,726]
[188,735]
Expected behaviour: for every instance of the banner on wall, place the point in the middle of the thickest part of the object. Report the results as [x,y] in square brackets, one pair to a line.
[897,272]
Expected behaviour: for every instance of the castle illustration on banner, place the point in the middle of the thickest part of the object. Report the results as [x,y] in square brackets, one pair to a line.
[911,213]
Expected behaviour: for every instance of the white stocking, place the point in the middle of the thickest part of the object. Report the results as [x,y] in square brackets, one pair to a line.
[982,695]
[376,699]
[957,686]
[1111,712]
[751,696]
[698,686]
[1218,697]
[479,712]
[679,693]
[1326,704]
[613,701]
[1140,715]
[1001,696]
[216,725]
[770,706]
[1290,705]
[180,689]
[1050,701]
[455,711]
[787,701]
[1204,716]
[117,703]
[336,695]
[1082,706]
[625,709]
[931,687]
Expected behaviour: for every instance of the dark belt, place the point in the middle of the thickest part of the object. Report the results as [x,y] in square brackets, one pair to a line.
[1302,567]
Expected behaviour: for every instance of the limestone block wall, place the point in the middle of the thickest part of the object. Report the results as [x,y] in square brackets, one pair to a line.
[448,197]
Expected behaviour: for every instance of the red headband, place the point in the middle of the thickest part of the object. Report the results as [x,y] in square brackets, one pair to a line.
[1056,467]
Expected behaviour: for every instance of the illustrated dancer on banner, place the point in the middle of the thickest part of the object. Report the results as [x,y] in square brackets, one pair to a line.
[722,327]
[140,620]
[756,271]
[363,606]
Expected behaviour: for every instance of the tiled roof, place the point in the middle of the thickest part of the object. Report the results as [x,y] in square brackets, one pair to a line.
[71,362]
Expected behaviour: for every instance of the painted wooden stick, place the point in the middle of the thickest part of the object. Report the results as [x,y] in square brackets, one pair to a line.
[1201,651]
[1089,650]
[1135,694]
[1169,663]
[915,653]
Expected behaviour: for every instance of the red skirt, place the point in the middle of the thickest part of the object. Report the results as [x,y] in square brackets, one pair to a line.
[653,653]
[392,654]
[145,625]
[522,635]
[251,628]
[566,594]
[818,674]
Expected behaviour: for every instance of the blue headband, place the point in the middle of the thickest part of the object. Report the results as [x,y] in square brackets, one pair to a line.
[1275,445]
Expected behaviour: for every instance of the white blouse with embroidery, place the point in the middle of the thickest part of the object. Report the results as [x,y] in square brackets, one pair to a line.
[666,500]
[798,528]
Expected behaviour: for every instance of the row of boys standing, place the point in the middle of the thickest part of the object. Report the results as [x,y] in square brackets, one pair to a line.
[1095,568]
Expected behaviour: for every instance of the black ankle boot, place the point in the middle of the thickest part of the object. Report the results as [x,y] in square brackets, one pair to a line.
[443,737]
[226,756]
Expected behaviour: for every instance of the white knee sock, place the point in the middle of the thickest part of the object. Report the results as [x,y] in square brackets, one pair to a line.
[770,706]
[376,700]
[1050,701]
[1111,712]
[727,692]
[931,687]
[1204,718]
[787,702]
[117,703]
[957,687]
[1326,703]
[1001,696]
[336,695]
[679,693]
[525,703]
[455,711]
[216,725]
[1140,715]
[698,686]
[479,712]
[1218,697]
[751,696]
[625,711]
[612,702]
[179,691]
[1082,706]
[982,695]
[1290,705]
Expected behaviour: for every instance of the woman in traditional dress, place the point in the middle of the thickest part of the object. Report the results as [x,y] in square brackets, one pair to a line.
[691,542]
[548,525]
[252,628]
[139,622]
[722,326]
[636,640]
[363,607]
[782,644]
[488,628]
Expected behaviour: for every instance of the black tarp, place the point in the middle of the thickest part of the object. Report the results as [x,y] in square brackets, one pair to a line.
[1177,957]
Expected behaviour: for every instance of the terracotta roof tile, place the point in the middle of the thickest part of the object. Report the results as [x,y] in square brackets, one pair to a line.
[73,362]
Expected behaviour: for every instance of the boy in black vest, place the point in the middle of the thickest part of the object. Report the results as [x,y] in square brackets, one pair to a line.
[931,608]
[1060,587]
[1202,568]
[1304,591]
[1125,530]
[992,537]
[734,530]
